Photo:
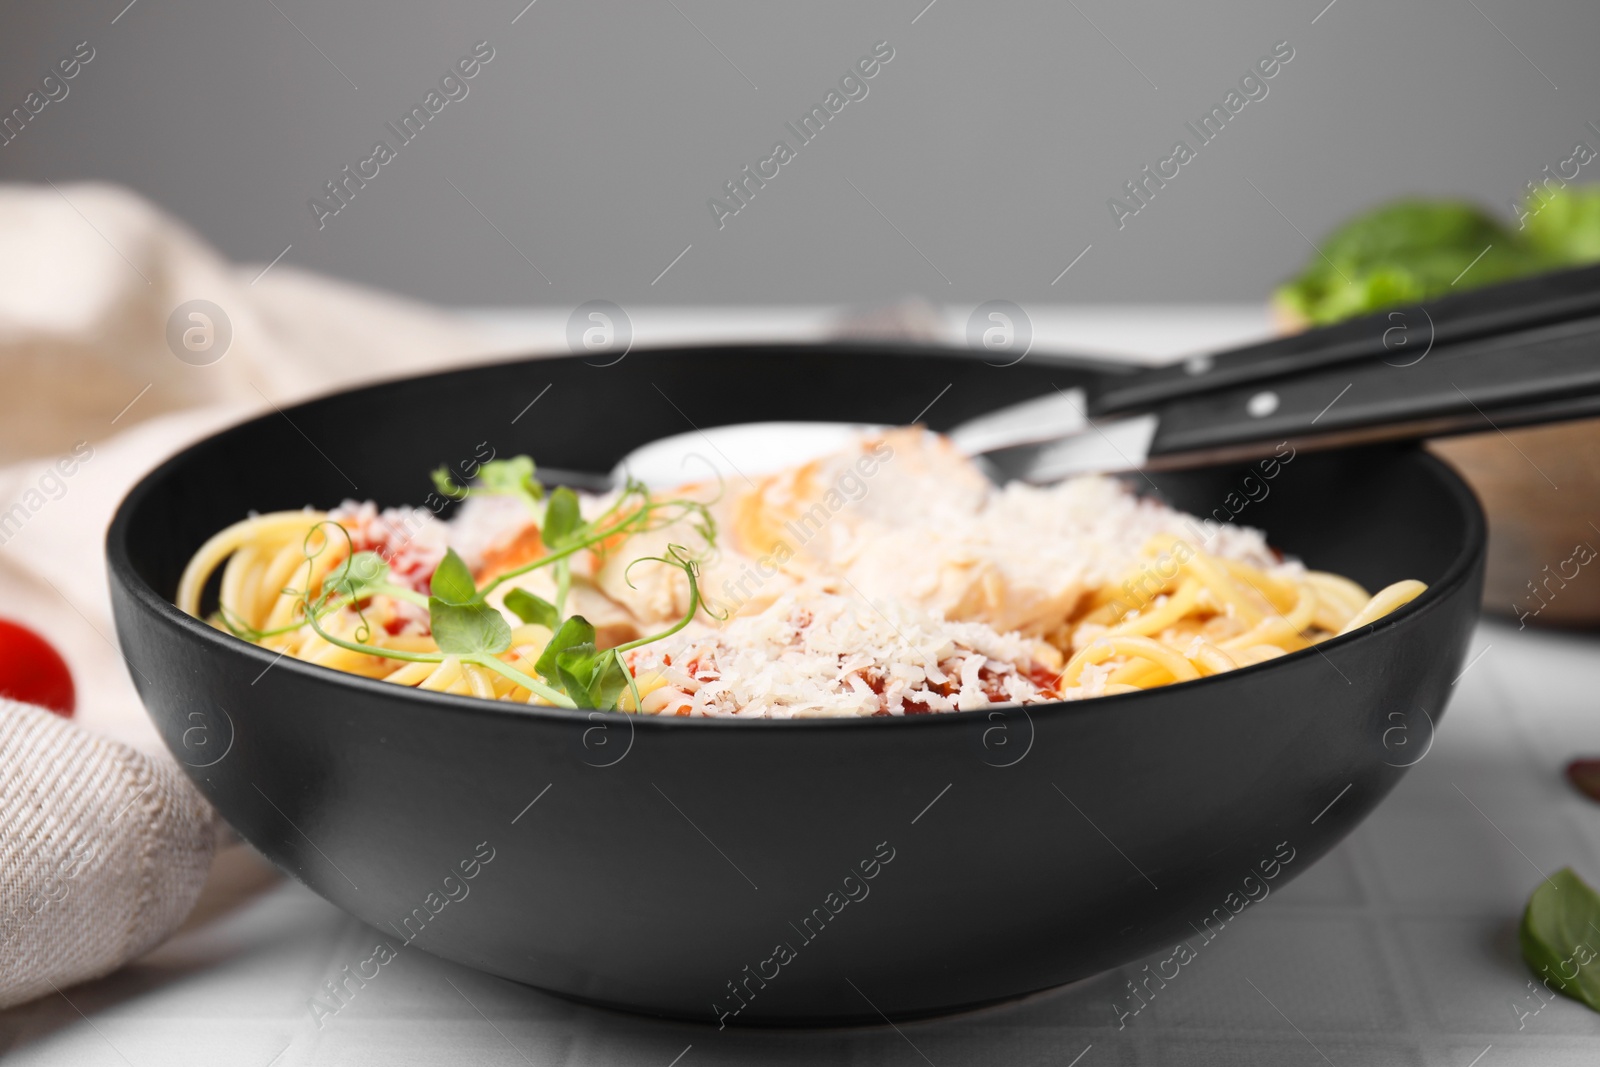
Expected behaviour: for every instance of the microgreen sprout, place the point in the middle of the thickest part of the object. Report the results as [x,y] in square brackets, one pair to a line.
[499,477]
[572,671]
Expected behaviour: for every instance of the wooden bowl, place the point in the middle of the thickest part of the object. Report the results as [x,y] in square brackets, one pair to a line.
[1540,487]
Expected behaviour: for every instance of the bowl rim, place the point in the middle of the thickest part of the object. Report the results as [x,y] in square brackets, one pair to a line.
[121,571]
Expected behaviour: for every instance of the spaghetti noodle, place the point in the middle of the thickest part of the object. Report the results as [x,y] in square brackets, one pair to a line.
[1210,615]
[1171,613]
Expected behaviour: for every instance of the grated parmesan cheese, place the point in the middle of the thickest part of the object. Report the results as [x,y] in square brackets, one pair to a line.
[905,516]
[815,653]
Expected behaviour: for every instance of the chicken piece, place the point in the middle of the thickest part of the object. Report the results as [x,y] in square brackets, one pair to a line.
[905,516]
[657,594]
[813,512]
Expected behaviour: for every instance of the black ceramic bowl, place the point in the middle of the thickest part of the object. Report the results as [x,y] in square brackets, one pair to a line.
[800,871]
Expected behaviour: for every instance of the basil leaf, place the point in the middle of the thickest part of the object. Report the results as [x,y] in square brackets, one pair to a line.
[1560,936]
[466,629]
[561,517]
[534,609]
[512,476]
[575,631]
[452,581]
[356,575]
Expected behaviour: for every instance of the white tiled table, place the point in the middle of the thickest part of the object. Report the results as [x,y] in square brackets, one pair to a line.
[1399,948]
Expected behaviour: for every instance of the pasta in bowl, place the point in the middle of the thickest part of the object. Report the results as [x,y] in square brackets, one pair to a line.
[886,579]
[605,884]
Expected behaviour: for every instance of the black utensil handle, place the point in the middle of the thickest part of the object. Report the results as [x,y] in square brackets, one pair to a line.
[1545,375]
[1399,336]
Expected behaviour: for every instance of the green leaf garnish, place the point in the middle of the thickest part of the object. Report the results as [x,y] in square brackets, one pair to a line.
[593,678]
[468,629]
[488,662]
[452,581]
[561,517]
[1560,936]
[510,477]
[446,484]
[612,678]
[572,670]
[499,477]
[575,670]
[575,631]
[533,609]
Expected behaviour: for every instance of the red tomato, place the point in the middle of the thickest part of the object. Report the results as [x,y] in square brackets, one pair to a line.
[33,672]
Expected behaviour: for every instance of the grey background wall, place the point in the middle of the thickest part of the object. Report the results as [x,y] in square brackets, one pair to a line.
[978,166]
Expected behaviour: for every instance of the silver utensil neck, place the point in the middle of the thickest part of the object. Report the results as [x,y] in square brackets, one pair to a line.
[1054,415]
[1112,445]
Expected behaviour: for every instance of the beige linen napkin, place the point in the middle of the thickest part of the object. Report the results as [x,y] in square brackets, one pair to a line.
[97,377]
[105,851]
[95,285]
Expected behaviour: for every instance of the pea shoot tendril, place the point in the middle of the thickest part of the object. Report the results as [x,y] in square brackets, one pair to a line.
[571,670]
